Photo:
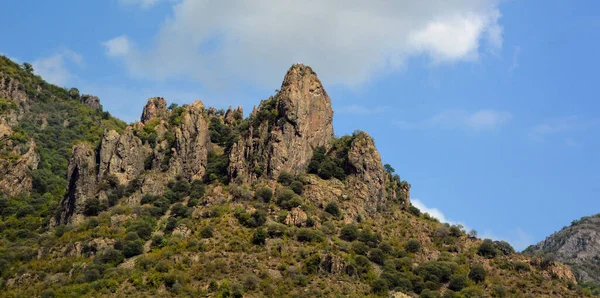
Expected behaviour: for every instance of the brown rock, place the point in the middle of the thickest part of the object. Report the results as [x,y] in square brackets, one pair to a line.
[369,177]
[91,101]
[122,156]
[333,264]
[301,121]
[15,175]
[81,183]
[192,142]
[155,108]
[296,217]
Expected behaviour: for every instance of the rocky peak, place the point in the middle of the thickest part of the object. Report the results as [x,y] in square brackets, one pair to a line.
[91,101]
[577,245]
[286,128]
[155,108]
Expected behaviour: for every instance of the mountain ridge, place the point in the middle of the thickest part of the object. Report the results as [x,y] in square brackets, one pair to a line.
[197,201]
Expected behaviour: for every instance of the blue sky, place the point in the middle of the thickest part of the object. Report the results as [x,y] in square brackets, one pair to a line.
[488,108]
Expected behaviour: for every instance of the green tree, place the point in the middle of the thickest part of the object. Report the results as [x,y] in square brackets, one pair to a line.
[349,232]
[413,245]
[28,67]
[477,273]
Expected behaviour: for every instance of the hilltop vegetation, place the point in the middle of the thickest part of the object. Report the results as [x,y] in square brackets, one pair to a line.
[194,201]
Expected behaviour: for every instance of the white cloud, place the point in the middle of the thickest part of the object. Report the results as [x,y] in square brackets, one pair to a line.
[141,3]
[345,41]
[118,46]
[562,126]
[519,239]
[515,59]
[54,69]
[452,119]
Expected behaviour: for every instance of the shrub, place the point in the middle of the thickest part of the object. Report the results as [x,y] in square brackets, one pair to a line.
[380,286]
[414,210]
[349,233]
[180,210]
[132,248]
[109,256]
[297,187]
[455,231]
[457,282]
[377,256]
[333,209]
[260,237]
[171,225]
[288,199]
[197,189]
[276,230]
[207,232]
[363,265]
[142,228]
[369,238]
[477,273]
[360,248]
[285,178]
[310,235]
[487,249]
[504,247]
[91,207]
[413,246]
[264,194]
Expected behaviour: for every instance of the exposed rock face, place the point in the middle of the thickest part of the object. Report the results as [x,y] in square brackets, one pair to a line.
[333,264]
[193,142]
[91,101]
[122,156]
[232,115]
[302,120]
[127,158]
[155,108]
[577,246]
[296,217]
[14,175]
[82,183]
[369,177]
[10,88]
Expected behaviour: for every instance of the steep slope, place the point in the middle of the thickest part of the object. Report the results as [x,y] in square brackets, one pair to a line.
[577,245]
[39,123]
[195,201]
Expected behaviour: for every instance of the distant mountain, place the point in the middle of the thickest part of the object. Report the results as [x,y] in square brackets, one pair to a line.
[577,245]
[196,201]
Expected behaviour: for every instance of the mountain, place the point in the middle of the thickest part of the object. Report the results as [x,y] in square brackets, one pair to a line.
[195,201]
[578,246]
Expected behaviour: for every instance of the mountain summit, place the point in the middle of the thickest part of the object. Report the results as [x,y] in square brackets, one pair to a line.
[198,201]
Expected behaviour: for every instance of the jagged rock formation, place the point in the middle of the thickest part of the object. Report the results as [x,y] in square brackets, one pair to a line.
[91,101]
[15,175]
[577,245]
[155,108]
[285,129]
[192,142]
[82,183]
[126,158]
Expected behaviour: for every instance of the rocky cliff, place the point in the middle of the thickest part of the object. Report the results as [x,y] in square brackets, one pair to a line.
[577,245]
[285,129]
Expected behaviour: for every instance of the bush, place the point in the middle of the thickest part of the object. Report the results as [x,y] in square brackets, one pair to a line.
[360,248]
[487,249]
[285,178]
[91,207]
[179,210]
[333,209]
[310,235]
[263,194]
[363,265]
[380,286]
[457,282]
[109,256]
[132,248]
[504,247]
[260,237]
[414,211]
[377,256]
[477,273]
[413,246]
[171,225]
[349,233]
[288,199]
[142,228]
[207,232]
[276,230]
[297,187]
